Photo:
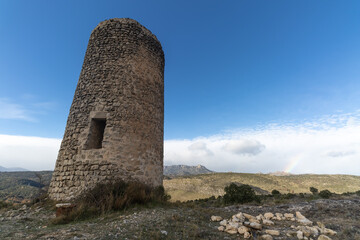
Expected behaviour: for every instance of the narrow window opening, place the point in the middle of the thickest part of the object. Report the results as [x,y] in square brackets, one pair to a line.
[96,133]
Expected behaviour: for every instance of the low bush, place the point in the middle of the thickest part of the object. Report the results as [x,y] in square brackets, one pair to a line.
[239,194]
[3,204]
[275,192]
[325,193]
[106,197]
[313,190]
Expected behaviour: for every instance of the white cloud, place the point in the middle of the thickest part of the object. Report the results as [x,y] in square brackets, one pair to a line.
[9,110]
[200,148]
[32,153]
[326,145]
[244,147]
[26,112]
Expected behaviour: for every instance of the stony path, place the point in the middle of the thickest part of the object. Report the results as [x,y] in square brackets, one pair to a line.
[173,222]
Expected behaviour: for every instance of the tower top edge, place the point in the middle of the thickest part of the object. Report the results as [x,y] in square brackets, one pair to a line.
[125,21]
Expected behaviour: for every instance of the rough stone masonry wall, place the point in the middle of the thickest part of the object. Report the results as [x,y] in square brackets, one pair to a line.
[121,84]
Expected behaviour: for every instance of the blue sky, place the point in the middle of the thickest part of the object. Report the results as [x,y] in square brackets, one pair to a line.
[230,65]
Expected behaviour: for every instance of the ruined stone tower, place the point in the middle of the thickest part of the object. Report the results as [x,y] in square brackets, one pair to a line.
[116,121]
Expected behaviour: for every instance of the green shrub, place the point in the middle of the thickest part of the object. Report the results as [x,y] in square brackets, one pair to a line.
[289,196]
[3,204]
[325,193]
[313,190]
[106,197]
[275,192]
[239,194]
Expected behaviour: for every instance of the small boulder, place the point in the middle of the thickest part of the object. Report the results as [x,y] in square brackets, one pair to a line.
[253,225]
[223,223]
[240,216]
[288,216]
[216,218]
[231,231]
[266,237]
[268,222]
[302,219]
[248,216]
[279,216]
[247,235]
[232,226]
[300,235]
[243,230]
[329,232]
[323,237]
[272,232]
[268,215]
[221,228]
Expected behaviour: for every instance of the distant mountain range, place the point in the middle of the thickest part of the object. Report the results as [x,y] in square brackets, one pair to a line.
[184,170]
[14,169]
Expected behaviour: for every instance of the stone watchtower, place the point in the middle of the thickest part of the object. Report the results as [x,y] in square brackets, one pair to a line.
[116,121]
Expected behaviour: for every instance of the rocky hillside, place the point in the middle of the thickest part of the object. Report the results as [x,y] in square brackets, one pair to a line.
[22,186]
[207,185]
[184,170]
[184,221]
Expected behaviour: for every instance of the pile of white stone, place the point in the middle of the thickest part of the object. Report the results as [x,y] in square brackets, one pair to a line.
[246,225]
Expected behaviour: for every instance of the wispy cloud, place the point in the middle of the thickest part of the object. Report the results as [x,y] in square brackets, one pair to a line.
[9,110]
[26,111]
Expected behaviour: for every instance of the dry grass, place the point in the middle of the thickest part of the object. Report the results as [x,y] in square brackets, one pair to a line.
[107,197]
[202,186]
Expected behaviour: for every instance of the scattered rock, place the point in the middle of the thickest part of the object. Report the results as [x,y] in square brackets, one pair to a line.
[288,216]
[268,222]
[247,235]
[221,228]
[272,232]
[302,219]
[223,223]
[266,237]
[329,232]
[253,225]
[323,237]
[231,231]
[243,229]
[216,218]
[299,234]
[268,215]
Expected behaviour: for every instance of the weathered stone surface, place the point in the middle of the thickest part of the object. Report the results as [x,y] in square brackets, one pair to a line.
[115,125]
